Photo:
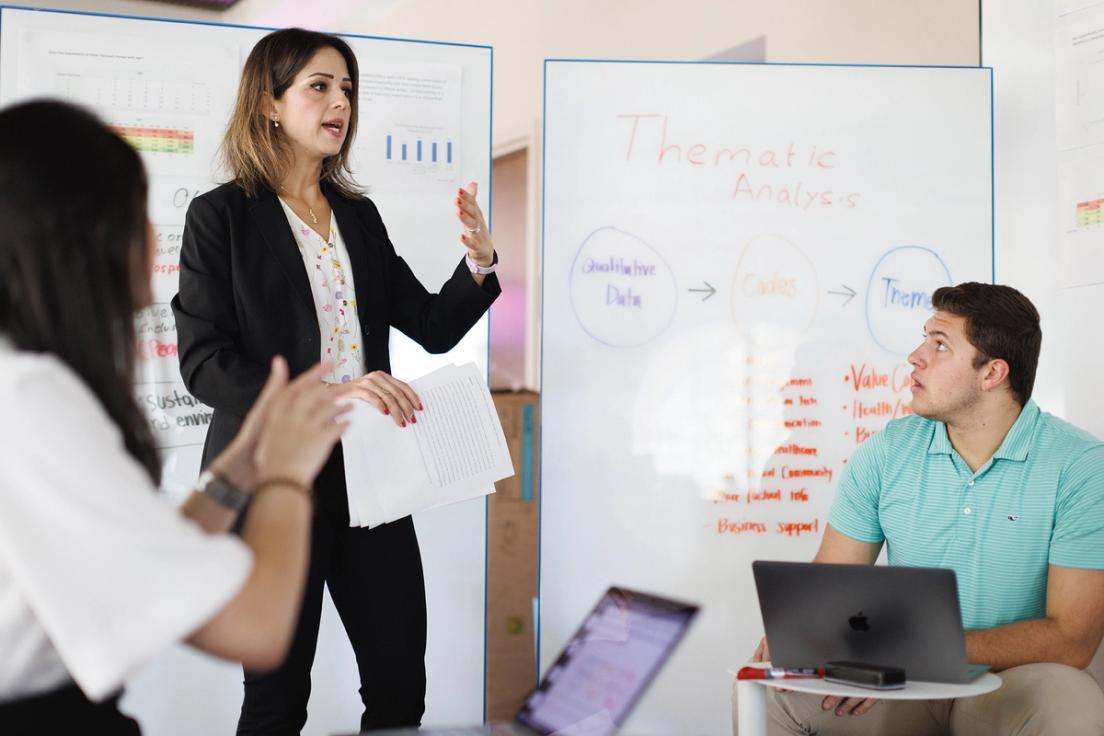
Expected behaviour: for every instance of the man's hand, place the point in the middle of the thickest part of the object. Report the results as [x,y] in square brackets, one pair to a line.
[839,548]
[847,706]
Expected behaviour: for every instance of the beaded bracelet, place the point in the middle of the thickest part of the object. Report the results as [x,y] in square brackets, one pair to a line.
[269,482]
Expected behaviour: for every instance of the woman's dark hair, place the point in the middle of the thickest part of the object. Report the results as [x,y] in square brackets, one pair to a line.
[1000,323]
[74,261]
[255,151]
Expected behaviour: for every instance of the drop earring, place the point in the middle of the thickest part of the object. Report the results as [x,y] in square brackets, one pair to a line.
[275,122]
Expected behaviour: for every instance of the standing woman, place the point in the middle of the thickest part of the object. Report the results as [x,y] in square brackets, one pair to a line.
[290,258]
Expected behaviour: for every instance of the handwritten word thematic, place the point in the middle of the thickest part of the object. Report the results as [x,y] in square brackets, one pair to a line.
[761,174]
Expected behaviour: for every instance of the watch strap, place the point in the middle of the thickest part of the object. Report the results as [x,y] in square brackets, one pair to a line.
[481,270]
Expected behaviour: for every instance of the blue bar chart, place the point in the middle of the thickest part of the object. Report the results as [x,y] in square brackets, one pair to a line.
[420,147]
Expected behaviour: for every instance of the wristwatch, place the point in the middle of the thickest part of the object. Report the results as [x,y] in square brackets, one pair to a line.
[222,491]
[481,270]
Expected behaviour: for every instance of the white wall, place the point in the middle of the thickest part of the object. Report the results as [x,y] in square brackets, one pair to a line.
[1018,42]
[525,32]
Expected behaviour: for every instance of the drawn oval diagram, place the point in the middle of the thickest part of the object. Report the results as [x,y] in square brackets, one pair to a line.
[622,291]
[898,296]
[774,292]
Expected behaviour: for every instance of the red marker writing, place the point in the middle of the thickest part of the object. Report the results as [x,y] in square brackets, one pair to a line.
[778,673]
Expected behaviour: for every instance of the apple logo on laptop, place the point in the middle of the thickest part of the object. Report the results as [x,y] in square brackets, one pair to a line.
[859,622]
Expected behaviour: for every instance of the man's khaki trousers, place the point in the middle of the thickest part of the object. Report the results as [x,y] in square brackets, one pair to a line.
[1044,699]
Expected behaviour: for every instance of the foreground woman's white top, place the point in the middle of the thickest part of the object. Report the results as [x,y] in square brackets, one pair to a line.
[98,571]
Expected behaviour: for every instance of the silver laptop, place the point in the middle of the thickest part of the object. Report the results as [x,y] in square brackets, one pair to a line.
[600,675]
[905,617]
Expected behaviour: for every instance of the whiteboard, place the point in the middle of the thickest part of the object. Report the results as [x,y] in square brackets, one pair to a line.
[737,260]
[169,87]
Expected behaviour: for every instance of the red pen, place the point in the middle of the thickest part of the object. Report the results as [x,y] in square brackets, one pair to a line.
[778,673]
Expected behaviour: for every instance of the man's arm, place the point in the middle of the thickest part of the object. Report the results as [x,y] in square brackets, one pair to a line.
[839,548]
[1070,633]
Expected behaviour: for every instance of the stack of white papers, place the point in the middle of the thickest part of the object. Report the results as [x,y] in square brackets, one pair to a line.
[454,452]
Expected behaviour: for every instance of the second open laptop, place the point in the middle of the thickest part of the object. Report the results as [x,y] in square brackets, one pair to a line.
[600,675]
[904,617]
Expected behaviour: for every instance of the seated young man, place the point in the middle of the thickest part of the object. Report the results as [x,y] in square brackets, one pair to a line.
[981,481]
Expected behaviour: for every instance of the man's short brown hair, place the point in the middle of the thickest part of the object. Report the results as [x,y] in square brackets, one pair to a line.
[1000,323]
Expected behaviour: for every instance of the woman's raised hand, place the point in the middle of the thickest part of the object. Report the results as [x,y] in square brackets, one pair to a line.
[476,237]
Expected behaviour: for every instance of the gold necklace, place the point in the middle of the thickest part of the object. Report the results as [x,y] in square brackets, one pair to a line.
[310,210]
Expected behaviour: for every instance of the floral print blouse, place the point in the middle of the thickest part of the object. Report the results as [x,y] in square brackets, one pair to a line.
[331,283]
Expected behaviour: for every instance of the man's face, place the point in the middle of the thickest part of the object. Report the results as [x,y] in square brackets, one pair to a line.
[945,383]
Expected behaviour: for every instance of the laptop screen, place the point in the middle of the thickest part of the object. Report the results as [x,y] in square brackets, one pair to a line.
[605,668]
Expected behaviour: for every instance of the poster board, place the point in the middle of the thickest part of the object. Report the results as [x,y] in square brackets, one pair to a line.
[168,87]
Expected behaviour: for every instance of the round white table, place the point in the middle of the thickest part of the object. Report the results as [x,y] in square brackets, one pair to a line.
[751,695]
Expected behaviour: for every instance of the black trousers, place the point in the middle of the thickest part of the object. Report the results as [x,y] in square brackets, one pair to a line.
[65,711]
[376,583]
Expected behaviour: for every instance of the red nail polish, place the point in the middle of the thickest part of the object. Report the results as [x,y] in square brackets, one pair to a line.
[403,424]
[421,408]
[386,410]
[413,419]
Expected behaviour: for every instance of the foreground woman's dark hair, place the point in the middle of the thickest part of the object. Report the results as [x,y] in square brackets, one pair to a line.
[71,250]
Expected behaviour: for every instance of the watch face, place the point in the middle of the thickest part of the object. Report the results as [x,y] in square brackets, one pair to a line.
[224,493]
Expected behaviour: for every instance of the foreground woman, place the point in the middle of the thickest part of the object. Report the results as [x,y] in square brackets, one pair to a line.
[98,573]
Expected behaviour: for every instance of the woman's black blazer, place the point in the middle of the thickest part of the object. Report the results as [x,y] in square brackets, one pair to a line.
[244,297]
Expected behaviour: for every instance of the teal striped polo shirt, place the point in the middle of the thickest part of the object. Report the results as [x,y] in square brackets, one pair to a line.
[1039,501]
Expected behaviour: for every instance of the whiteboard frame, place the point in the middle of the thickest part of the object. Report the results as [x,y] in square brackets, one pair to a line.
[544,240]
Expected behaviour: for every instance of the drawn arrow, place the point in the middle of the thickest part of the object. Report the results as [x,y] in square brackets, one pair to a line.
[850,293]
[710,291]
